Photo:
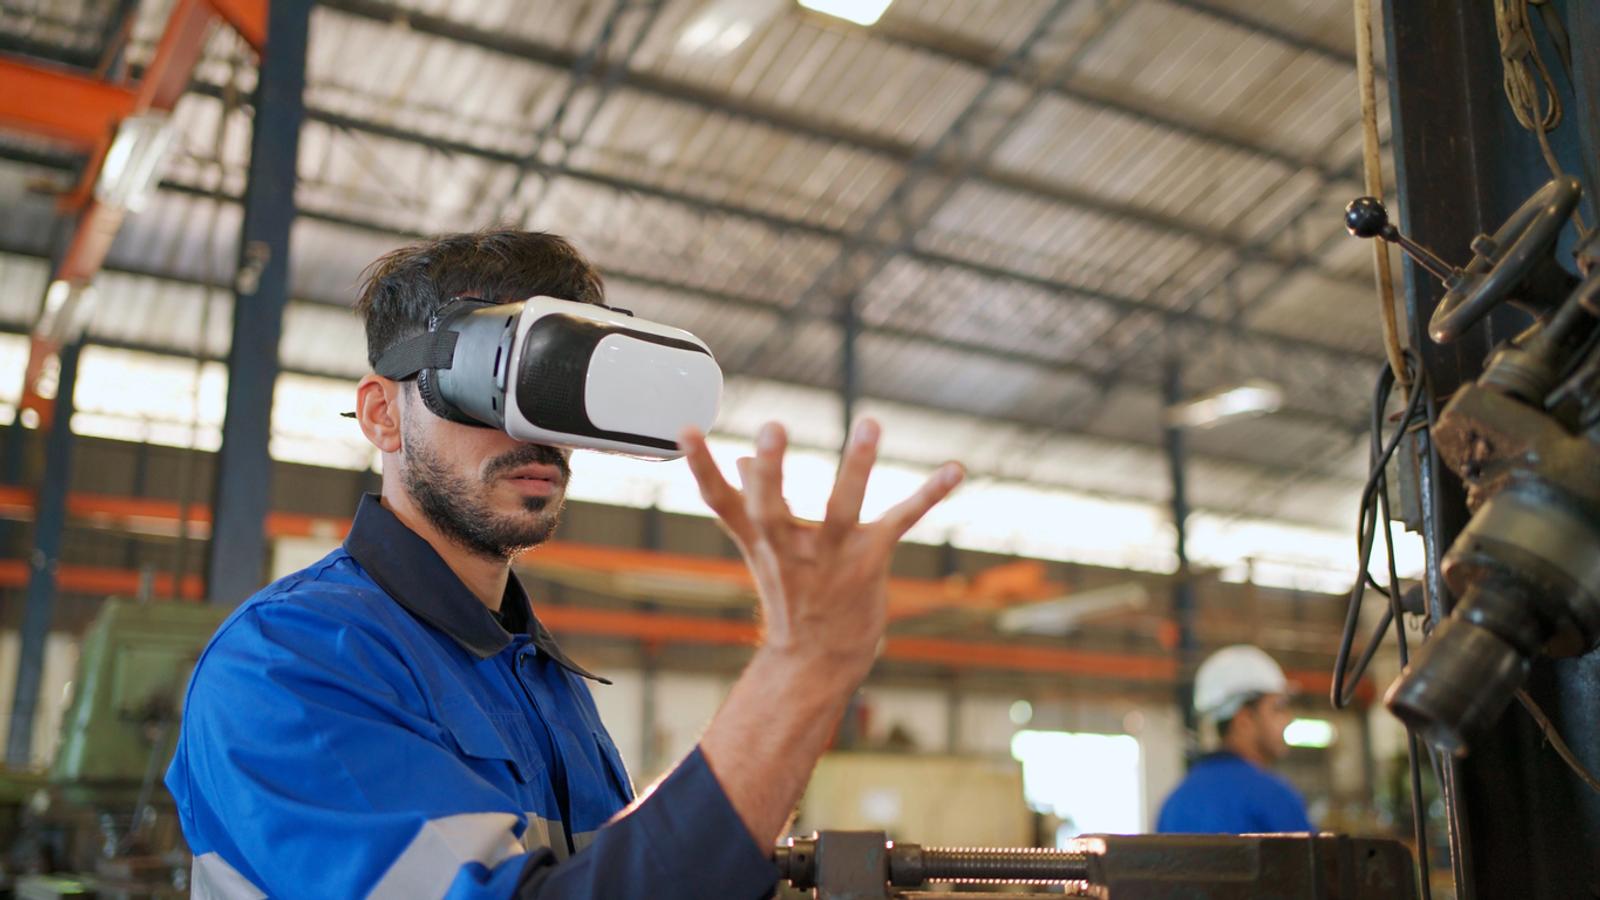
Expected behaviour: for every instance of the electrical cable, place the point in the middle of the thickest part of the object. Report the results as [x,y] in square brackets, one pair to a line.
[1344,685]
[1556,743]
[1396,613]
[1375,514]
[1372,163]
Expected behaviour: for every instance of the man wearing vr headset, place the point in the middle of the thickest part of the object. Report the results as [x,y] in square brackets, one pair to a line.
[394,721]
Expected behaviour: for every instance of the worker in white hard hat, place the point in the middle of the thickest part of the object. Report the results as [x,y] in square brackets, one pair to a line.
[1244,693]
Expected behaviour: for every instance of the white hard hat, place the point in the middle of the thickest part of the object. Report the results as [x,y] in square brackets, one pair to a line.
[1234,675]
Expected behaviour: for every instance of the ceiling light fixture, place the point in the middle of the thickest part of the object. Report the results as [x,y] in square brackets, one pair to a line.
[1253,398]
[132,168]
[67,308]
[861,12]
[722,26]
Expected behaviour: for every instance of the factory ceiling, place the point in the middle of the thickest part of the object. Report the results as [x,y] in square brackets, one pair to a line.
[1024,209]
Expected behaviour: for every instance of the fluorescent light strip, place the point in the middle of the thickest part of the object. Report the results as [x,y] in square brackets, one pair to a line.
[861,12]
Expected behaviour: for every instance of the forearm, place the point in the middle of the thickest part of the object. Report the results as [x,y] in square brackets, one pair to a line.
[681,840]
[767,737]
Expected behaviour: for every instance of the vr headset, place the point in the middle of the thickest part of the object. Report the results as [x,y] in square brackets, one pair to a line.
[550,371]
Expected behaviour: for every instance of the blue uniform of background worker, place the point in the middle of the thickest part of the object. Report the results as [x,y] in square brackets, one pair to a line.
[394,721]
[1232,791]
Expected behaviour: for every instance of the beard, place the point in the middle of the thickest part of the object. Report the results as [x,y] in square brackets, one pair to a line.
[459,506]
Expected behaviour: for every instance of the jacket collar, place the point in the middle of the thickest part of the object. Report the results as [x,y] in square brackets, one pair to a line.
[408,568]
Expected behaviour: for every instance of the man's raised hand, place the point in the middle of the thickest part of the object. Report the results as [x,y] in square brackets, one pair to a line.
[823,585]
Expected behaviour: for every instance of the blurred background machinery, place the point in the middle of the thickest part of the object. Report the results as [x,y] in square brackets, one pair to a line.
[100,822]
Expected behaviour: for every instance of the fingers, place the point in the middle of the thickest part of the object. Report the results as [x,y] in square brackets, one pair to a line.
[855,466]
[908,512]
[721,496]
[763,482]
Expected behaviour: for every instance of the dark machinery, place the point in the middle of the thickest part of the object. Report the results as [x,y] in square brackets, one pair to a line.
[1495,115]
[863,865]
[101,813]
[1524,438]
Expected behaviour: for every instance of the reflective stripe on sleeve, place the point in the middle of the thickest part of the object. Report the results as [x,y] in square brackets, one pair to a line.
[431,861]
[213,879]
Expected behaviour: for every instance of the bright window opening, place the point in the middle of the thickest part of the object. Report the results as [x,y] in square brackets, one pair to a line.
[1317,733]
[1091,782]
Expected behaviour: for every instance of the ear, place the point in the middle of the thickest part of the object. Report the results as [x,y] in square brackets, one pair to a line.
[378,411]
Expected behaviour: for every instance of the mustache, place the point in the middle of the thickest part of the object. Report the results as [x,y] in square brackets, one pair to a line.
[526,455]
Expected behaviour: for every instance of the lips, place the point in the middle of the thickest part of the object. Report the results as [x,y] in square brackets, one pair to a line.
[536,481]
[536,472]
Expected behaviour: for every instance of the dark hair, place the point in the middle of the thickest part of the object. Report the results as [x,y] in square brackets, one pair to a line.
[403,288]
[1224,725]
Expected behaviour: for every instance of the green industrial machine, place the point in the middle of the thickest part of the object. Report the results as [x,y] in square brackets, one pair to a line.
[132,672]
[101,814]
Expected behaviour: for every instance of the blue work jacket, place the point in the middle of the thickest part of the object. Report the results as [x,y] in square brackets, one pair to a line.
[1227,794]
[366,727]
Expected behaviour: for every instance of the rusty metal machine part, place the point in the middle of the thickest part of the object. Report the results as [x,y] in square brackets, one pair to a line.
[864,865]
[1526,568]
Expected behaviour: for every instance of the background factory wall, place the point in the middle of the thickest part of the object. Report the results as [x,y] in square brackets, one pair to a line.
[931,710]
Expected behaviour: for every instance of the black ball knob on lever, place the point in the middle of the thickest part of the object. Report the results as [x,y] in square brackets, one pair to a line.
[1366,217]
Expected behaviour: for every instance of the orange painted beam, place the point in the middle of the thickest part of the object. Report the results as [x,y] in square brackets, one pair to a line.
[40,352]
[648,626]
[248,17]
[907,596]
[97,580]
[98,225]
[948,653]
[954,654]
[141,514]
[172,64]
[74,109]
[680,629]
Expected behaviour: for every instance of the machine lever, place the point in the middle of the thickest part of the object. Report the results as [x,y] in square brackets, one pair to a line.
[1515,263]
[1365,217]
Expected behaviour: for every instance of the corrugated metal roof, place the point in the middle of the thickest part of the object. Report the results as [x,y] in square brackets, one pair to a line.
[1025,245]
[73,29]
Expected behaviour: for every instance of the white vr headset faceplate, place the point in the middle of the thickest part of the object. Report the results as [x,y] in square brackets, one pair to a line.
[641,383]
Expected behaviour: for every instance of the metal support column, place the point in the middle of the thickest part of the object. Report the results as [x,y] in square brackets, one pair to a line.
[849,735]
[238,552]
[649,707]
[1183,602]
[49,521]
[849,362]
[952,713]
[653,537]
